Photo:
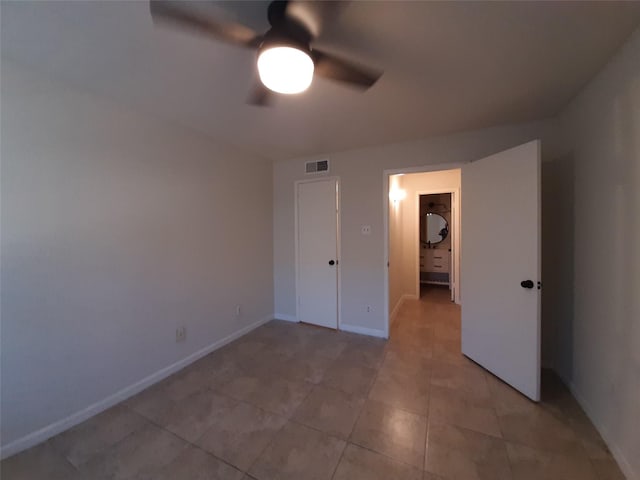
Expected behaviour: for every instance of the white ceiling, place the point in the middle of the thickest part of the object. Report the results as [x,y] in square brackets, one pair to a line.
[449,66]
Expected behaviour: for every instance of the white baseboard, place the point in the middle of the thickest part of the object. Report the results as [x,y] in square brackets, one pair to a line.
[59,426]
[399,303]
[285,317]
[373,332]
[623,463]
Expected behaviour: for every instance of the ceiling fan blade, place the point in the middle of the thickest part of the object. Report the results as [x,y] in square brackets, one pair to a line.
[316,15]
[260,96]
[336,68]
[192,16]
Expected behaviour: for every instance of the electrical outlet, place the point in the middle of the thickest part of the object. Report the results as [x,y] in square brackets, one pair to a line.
[368,308]
[238,311]
[366,229]
[181,334]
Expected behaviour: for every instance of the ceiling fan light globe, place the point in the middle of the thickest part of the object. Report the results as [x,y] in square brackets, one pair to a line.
[285,69]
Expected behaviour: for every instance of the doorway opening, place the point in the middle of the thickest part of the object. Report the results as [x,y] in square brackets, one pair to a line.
[423,224]
[500,316]
[434,240]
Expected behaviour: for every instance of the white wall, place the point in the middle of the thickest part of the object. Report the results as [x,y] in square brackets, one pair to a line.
[361,176]
[116,228]
[601,130]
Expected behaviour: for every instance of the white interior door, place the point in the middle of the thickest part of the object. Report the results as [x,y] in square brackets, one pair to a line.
[501,249]
[317,257]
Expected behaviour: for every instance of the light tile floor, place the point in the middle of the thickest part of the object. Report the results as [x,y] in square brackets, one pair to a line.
[291,401]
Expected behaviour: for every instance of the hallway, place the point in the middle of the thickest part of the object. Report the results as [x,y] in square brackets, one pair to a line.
[480,428]
[291,401]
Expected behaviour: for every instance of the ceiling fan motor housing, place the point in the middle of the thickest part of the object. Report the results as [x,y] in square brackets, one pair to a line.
[285,64]
[285,31]
[294,64]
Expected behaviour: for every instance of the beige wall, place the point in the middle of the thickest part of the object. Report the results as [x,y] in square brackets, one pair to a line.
[116,229]
[396,247]
[600,342]
[362,203]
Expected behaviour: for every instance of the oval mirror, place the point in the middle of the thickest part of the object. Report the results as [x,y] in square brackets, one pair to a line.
[436,228]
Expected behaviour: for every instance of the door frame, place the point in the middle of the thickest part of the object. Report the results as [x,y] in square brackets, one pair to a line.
[454,264]
[297,184]
[385,221]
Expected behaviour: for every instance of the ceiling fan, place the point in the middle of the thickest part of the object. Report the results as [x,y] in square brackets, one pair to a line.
[286,60]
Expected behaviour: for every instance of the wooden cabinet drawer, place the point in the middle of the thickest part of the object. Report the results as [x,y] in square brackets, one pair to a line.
[437,261]
[434,265]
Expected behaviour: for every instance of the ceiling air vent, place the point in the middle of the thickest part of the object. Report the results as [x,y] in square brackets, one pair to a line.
[320,166]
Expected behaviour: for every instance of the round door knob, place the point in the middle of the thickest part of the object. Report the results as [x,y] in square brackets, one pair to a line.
[331,262]
[526,284]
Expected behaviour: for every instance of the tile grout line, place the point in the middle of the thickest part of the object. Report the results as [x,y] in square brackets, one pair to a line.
[116,443]
[522,444]
[63,457]
[239,401]
[495,412]
[335,470]
[289,419]
[426,415]
[366,397]
[387,456]
[189,443]
[273,438]
[426,437]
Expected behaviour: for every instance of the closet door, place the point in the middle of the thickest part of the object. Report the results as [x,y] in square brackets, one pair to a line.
[317,252]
